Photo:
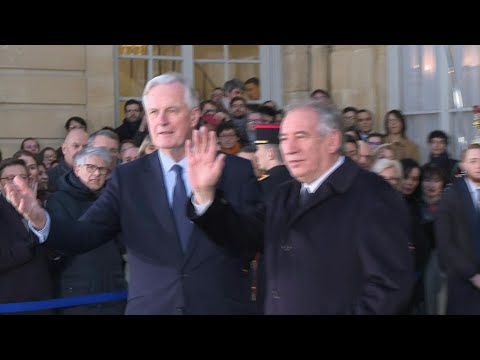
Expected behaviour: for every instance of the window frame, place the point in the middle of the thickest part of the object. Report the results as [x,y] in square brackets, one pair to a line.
[270,60]
[446,114]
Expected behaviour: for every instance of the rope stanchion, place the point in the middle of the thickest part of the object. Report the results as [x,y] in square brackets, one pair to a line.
[62,302]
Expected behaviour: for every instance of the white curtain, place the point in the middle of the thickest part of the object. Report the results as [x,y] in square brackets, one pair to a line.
[420,78]
[421,84]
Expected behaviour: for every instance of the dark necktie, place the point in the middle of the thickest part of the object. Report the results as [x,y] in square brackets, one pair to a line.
[184,225]
[304,196]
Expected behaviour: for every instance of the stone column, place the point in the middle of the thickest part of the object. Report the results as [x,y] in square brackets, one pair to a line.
[296,75]
[319,64]
[359,78]
[100,86]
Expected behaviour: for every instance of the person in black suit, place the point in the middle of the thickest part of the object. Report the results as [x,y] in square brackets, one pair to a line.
[457,232]
[24,274]
[173,267]
[269,159]
[335,240]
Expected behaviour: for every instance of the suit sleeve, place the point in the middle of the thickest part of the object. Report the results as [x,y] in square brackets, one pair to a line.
[99,224]
[239,233]
[19,253]
[449,252]
[235,219]
[383,250]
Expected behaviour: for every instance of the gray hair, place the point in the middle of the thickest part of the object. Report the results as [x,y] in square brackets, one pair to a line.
[100,152]
[329,117]
[383,164]
[191,98]
[233,84]
[103,132]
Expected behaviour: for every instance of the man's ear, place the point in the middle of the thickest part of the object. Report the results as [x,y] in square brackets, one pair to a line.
[271,154]
[334,141]
[76,170]
[194,117]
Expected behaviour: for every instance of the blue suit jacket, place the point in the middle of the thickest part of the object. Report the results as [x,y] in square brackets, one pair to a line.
[206,279]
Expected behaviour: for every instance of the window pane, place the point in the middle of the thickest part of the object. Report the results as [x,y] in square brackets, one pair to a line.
[418,128]
[167,50]
[250,52]
[463,130]
[208,52]
[420,78]
[207,78]
[132,76]
[244,72]
[466,62]
[163,66]
[132,49]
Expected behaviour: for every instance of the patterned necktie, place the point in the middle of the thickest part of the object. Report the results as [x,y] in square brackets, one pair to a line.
[184,225]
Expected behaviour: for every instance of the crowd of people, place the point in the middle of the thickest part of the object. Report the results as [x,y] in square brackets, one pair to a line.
[224,207]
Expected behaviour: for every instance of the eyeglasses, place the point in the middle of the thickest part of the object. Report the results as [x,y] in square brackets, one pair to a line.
[374,144]
[92,168]
[71,127]
[10,178]
[50,157]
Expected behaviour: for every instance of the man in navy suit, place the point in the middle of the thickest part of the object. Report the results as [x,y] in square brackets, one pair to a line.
[457,231]
[173,267]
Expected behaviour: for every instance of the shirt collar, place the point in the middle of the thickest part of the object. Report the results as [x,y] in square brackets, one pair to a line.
[167,162]
[471,185]
[313,186]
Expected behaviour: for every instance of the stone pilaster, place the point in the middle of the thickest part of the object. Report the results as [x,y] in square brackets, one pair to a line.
[100,86]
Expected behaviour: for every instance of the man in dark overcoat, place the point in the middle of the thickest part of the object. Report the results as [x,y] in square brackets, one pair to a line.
[335,239]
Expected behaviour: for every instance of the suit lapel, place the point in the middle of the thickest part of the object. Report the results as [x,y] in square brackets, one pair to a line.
[472,212]
[156,191]
[338,182]
[15,219]
[323,193]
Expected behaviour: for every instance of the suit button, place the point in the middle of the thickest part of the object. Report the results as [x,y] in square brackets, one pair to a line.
[286,247]
[275,294]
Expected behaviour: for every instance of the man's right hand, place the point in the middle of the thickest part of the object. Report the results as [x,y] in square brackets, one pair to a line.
[204,165]
[23,199]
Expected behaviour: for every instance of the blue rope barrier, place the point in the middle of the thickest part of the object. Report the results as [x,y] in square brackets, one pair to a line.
[63,302]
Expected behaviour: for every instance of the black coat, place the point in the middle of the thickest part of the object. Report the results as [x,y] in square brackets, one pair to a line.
[344,252]
[128,130]
[97,271]
[457,231]
[55,173]
[24,274]
[273,179]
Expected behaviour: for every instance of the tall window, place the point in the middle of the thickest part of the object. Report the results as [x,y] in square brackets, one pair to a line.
[436,87]
[206,66]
